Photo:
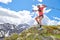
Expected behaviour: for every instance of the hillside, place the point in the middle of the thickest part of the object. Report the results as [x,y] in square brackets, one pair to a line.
[48,33]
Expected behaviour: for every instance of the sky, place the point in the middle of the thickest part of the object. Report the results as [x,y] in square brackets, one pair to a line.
[18,6]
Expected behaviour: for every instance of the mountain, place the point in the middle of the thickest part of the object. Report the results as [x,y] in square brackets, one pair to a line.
[22,27]
[7,29]
[4,28]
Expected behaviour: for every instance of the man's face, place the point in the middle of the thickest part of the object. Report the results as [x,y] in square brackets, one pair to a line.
[38,6]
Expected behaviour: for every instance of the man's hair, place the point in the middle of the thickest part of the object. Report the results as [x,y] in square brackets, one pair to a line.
[38,5]
[42,5]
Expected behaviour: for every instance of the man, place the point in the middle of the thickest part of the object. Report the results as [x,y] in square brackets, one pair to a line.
[40,14]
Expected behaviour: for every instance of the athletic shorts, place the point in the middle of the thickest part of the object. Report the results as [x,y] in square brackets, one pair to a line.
[41,16]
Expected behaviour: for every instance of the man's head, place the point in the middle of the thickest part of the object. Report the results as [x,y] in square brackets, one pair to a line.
[38,6]
[42,5]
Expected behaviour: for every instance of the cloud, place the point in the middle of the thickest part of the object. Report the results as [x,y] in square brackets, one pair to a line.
[46,20]
[25,16]
[7,12]
[44,11]
[40,0]
[58,23]
[47,11]
[52,22]
[56,18]
[5,1]
[9,16]
[11,20]
[34,7]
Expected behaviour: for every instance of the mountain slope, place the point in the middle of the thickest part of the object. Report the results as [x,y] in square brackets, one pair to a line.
[48,33]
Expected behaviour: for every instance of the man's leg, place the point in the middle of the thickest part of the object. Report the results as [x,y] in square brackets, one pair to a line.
[40,21]
[37,19]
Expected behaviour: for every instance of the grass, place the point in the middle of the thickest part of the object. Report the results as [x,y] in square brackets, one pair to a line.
[34,34]
[56,36]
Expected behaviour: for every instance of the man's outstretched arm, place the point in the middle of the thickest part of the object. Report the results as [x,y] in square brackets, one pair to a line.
[34,10]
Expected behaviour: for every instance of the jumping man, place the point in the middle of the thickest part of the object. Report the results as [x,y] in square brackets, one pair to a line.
[40,14]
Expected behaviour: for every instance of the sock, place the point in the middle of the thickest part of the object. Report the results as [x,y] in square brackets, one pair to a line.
[40,26]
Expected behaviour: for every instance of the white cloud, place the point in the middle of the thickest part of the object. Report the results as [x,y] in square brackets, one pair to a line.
[56,18]
[34,7]
[7,19]
[44,11]
[52,22]
[7,12]
[9,16]
[6,1]
[40,0]
[46,20]
[58,23]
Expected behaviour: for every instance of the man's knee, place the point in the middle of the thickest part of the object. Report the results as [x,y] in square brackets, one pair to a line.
[36,18]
